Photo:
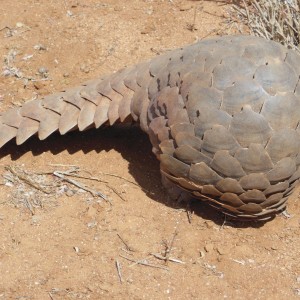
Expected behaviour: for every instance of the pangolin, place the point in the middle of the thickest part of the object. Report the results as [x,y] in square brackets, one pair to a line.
[222,116]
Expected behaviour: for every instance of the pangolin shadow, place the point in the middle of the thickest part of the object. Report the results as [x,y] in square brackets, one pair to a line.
[135,147]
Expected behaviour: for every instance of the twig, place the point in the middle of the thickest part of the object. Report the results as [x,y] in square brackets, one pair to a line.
[29,206]
[85,177]
[72,173]
[188,212]
[62,176]
[246,9]
[143,263]
[169,246]
[62,165]
[126,245]
[286,214]
[175,260]
[99,180]
[118,176]
[118,266]
[192,27]
[116,192]
[26,179]
[141,260]
[224,222]
[272,19]
[51,296]
[214,31]
[5,27]
[127,180]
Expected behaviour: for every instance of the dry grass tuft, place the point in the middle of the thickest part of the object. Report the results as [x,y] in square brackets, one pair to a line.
[277,20]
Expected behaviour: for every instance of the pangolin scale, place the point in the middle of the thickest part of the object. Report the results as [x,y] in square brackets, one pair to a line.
[222,116]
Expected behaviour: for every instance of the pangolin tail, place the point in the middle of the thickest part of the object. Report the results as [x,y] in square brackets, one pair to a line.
[105,101]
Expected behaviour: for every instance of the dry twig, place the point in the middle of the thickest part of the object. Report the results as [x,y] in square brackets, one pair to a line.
[25,178]
[126,244]
[175,260]
[272,19]
[118,266]
[169,246]
[62,175]
[143,262]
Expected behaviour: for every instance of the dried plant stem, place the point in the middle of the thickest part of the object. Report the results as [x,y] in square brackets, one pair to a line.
[272,19]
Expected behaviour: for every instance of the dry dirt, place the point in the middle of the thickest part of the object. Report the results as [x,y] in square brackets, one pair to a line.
[70,246]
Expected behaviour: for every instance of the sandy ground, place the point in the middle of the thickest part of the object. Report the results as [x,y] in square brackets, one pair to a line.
[71,245]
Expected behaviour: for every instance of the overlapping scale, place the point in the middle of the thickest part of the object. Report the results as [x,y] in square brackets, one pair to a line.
[174,166]
[241,93]
[229,185]
[249,127]
[231,70]
[7,133]
[48,124]
[278,77]
[27,128]
[292,58]
[210,99]
[201,173]
[225,164]
[219,138]
[183,138]
[280,111]
[210,117]
[258,181]
[253,196]
[12,118]
[283,143]
[283,170]
[190,155]
[254,159]
[101,113]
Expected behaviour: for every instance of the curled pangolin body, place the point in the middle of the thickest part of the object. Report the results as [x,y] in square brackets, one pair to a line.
[222,115]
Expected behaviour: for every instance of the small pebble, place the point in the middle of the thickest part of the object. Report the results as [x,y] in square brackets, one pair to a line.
[70,193]
[149,11]
[209,248]
[6,73]
[91,224]
[19,25]
[38,85]
[36,219]
[84,68]
[43,71]
[69,13]
[39,47]
[27,57]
